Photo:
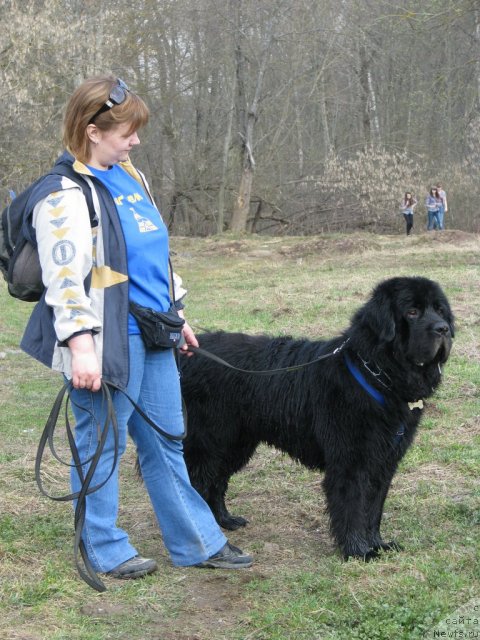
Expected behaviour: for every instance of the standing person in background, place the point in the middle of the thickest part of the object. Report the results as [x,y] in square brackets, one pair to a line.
[444,206]
[84,327]
[433,202]
[407,206]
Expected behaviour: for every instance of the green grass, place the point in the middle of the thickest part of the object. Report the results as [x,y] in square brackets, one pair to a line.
[299,588]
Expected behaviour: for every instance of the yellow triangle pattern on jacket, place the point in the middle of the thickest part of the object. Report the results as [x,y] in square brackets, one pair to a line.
[103,277]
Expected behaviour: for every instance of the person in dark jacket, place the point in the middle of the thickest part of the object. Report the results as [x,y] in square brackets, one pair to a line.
[433,202]
[83,327]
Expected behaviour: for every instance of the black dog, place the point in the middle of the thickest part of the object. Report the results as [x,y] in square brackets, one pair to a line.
[352,414]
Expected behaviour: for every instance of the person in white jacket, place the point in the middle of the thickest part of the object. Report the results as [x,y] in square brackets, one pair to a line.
[443,208]
[83,327]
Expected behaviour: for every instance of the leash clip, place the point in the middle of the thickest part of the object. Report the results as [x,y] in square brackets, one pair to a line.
[338,349]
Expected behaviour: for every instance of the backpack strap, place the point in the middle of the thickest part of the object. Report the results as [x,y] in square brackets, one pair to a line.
[67,170]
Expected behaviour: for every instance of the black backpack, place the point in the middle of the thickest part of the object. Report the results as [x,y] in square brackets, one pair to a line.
[19,261]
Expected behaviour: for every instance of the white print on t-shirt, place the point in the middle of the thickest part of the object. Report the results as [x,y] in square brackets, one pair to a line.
[144,224]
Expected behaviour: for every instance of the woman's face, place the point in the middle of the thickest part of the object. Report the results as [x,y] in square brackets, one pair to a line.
[110,147]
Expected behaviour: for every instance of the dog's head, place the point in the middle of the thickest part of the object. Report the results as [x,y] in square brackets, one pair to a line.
[414,315]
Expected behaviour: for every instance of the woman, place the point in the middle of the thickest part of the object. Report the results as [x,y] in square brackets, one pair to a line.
[433,203]
[443,207]
[83,328]
[407,206]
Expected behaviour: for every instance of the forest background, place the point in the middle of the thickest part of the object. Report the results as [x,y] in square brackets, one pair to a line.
[268,116]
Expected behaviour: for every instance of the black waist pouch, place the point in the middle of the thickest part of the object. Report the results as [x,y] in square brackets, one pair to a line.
[160,330]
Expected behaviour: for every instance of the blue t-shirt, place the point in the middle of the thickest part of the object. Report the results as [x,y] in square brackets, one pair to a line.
[146,239]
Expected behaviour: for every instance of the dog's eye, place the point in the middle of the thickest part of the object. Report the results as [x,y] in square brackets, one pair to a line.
[412,313]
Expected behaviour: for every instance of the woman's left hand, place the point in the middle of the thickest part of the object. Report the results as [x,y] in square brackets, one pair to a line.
[189,336]
[190,340]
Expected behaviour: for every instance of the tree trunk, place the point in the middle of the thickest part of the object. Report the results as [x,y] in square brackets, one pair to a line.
[226,148]
[242,204]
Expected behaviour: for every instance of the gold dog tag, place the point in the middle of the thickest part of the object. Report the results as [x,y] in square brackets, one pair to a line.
[415,405]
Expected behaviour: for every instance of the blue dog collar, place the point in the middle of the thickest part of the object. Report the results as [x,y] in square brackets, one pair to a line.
[376,395]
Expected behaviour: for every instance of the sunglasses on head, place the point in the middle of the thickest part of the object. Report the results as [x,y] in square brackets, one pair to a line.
[118,94]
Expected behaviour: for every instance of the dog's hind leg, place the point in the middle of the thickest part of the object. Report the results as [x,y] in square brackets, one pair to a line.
[213,489]
[216,502]
[233,459]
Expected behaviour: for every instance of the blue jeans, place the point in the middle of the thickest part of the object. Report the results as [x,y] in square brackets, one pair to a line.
[190,532]
[433,221]
[440,216]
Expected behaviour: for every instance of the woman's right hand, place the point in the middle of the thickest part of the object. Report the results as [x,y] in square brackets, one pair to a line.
[86,372]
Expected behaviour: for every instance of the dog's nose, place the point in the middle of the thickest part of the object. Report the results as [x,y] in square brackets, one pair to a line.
[441,328]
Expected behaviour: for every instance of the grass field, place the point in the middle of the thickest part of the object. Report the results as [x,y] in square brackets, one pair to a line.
[299,588]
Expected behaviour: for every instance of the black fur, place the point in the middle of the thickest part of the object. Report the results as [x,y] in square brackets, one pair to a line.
[321,415]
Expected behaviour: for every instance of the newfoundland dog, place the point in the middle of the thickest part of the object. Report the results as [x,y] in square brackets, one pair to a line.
[351,412]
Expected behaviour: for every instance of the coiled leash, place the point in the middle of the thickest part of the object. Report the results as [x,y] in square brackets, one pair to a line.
[86,572]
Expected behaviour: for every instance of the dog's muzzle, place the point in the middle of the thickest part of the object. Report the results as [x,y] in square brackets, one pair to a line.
[430,343]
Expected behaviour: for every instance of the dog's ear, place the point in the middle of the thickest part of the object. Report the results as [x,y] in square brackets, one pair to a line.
[378,316]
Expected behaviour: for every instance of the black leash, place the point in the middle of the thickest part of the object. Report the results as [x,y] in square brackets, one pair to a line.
[267,372]
[86,572]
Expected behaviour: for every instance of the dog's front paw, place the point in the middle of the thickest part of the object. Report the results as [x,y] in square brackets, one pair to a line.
[374,552]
